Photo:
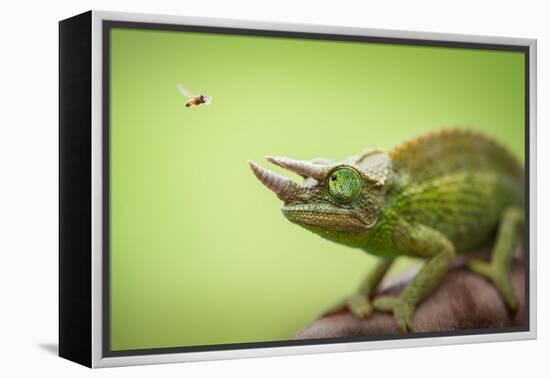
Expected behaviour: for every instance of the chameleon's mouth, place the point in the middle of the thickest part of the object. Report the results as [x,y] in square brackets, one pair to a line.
[323,217]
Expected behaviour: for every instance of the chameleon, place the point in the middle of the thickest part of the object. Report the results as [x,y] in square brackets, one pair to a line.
[443,193]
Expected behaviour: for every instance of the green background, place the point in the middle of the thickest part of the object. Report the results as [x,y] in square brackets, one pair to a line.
[199,250]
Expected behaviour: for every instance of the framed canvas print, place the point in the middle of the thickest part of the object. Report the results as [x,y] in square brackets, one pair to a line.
[234,189]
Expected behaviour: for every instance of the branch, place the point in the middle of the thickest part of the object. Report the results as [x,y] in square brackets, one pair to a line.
[463,301]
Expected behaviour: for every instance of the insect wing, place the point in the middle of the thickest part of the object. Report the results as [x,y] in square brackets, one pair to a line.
[184,91]
[208,100]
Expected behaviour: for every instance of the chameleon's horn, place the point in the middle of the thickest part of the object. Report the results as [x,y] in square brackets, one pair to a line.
[274,182]
[303,168]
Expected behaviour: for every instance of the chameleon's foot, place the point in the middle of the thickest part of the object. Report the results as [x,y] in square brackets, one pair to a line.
[385,303]
[403,313]
[358,304]
[402,310]
[500,279]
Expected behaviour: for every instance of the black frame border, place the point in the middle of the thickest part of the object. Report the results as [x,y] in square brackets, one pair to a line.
[108,25]
[75,194]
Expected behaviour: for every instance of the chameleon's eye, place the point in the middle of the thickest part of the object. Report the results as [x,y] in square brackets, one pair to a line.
[344,184]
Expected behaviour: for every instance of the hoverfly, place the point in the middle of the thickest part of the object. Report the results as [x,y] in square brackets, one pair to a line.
[194,100]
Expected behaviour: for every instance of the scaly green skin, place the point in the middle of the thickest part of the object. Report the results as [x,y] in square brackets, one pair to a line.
[434,197]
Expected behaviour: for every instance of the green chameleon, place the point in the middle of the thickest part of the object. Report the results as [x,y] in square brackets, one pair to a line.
[441,194]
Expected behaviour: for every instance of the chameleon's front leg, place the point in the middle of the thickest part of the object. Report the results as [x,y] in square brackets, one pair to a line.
[418,240]
[359,303]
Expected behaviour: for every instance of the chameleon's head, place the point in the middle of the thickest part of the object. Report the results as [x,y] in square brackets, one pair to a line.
[339,201]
